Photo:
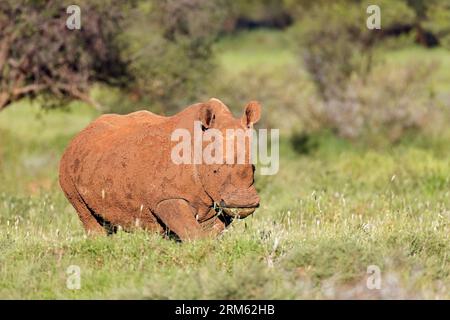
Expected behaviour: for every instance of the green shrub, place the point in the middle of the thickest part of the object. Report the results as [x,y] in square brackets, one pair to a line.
[356,94]
[170,53]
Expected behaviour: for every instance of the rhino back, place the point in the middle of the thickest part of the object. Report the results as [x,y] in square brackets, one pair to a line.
[124,162]
[115,154]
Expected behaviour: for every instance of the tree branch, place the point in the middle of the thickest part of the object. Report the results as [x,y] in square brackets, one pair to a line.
[27,89]
[5,99]
[74,92]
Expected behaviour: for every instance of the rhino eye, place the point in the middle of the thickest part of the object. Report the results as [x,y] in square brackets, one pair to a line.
[215,171]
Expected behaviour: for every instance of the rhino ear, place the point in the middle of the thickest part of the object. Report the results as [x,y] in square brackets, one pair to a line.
[252,114]
[207,115]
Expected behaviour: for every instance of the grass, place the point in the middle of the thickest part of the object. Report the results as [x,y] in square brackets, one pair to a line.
[325,217]
[328,215]
[254,50]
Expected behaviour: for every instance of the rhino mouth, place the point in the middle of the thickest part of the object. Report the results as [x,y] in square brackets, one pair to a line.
[239,212]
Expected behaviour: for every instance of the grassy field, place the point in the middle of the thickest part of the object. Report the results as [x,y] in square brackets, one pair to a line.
[328,215]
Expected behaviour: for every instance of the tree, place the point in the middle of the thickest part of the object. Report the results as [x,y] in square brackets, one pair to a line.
[40,56]
[157,52]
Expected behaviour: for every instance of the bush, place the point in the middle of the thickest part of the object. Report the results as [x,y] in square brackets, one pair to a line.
[438,21]
[280,97]
[386,104]
[357,96]
[334,42]
[171,53]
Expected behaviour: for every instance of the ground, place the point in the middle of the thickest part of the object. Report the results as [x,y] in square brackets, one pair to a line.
[333,211]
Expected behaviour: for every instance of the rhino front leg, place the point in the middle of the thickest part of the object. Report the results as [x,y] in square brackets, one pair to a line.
[179,217]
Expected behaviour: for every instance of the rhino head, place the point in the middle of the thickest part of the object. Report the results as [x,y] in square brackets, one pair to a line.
[231,184]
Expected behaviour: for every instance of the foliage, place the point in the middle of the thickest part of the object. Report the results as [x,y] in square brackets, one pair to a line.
[387,104]
[335,43]
[438,21]
[170,43]
[40,56]
[357,96]
[159,52]
[258,13]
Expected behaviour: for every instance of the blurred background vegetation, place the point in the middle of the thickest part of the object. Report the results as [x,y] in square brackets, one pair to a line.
[314,65]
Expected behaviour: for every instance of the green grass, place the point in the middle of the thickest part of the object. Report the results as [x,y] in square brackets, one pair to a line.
[324,218]
[256,50]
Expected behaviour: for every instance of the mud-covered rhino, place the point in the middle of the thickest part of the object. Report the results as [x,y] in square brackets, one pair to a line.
[118,172]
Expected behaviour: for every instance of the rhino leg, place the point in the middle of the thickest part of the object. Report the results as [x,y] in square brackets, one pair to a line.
[214,226]
[179,217]
[90,223]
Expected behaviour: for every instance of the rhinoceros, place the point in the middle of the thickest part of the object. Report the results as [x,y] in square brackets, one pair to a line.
[118,173]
